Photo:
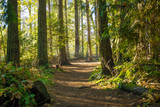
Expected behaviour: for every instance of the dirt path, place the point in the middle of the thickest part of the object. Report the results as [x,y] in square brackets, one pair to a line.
[72,89]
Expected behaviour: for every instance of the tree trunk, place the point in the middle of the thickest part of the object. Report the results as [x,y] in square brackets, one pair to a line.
[82,30]
[66,30]
[13,52]
[88,29]
[96,30]
[42,34]
[98,20]
[63,57]
[76,29]
[105,46]
[50,28]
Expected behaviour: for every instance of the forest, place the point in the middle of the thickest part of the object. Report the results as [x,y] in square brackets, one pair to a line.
[79,53]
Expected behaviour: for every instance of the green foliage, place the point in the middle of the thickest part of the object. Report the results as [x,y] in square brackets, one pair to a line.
[97,74]
[129,72]
[152,71]
[46,75]
[126,70]
[16,83]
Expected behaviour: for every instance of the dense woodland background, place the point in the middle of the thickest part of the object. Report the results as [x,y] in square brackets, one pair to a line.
[123,34]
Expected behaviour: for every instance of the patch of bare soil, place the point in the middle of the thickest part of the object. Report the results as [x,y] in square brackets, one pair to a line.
[72,89]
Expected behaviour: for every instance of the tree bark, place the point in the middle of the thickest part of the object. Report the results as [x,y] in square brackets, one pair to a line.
[82,30]
[105,46]
[13,52]
[42,34]
[96,29]
[50,30]
[88,29]
[76,29]
[62,50]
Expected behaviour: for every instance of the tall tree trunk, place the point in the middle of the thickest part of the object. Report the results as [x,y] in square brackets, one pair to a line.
[88,29]
[82,30]
[96,30]
[76,29]
[105,46]
[50,30]
[42,34]
[63,57]
[13,54]
[67,44]
[97,19]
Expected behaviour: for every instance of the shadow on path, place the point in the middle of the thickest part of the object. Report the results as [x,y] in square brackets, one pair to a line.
[72,89]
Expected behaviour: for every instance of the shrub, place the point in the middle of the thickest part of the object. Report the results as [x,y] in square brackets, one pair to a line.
[15,83]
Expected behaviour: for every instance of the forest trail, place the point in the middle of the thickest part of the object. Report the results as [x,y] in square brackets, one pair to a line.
[72,89]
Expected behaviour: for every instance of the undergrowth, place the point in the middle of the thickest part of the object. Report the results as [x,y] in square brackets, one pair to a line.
[15,83]
[143,75]
[147,76]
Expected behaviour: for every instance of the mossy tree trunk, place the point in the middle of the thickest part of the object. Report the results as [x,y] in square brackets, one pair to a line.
[62,50]
[42,34]
[13,52]
[105,46]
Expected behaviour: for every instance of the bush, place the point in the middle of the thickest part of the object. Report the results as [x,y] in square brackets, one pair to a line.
[15,83]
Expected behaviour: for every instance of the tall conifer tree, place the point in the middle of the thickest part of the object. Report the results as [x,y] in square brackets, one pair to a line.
[42,34]
[13,54]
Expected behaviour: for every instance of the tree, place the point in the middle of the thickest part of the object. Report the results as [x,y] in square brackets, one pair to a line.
[105,46]
[76,29]
[62,50]
[66,29]
[96,27]
[50,27]
[88,29]
[42,34]
[82,30]
[13,52]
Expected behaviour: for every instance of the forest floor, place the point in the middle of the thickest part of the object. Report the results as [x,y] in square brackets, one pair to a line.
[72,89]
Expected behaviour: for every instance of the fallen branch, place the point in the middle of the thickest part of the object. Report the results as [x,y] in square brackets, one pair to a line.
[153,96]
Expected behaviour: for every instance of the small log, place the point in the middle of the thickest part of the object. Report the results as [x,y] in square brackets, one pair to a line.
[138,90]
[130,87]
